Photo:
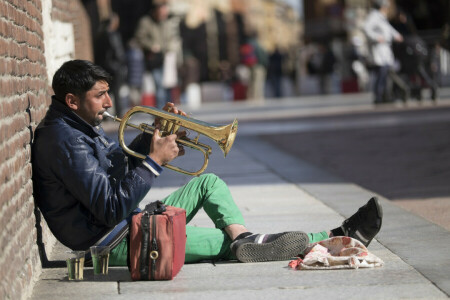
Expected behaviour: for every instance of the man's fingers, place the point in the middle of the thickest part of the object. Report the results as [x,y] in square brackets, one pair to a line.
[168,106]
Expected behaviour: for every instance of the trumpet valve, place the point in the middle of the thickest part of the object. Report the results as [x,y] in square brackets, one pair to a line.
[169,127]
[175,128]
[163,126]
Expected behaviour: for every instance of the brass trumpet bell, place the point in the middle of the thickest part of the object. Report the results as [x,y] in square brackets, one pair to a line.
[170,123]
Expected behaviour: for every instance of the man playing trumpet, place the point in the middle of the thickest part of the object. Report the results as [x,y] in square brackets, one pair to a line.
[85,185]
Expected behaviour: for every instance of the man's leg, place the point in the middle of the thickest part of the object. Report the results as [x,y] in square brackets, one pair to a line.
[207,244]
[211,193]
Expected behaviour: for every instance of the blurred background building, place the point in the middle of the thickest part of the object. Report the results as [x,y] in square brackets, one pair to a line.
[250,50]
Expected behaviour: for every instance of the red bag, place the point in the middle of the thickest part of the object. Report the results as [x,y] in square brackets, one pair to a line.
[157,244]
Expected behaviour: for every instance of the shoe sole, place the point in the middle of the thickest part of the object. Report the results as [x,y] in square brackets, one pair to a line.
[286,246]
[379,211]
[379,208]
[380,215]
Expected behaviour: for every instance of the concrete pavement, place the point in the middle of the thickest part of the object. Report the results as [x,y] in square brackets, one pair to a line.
[278,192]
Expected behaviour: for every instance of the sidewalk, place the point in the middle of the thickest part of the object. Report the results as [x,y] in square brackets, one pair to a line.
[277,192]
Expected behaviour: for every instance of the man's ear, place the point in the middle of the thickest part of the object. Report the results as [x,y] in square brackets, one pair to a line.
[72,101]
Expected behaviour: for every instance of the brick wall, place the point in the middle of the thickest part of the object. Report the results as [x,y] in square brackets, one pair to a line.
[24,99]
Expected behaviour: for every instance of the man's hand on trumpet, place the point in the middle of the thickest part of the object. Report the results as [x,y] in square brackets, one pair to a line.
[165,149]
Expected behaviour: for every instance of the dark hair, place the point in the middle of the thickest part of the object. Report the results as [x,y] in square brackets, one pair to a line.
[77,77]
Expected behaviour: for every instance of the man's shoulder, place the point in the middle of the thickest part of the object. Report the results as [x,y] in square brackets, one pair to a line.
[57,133]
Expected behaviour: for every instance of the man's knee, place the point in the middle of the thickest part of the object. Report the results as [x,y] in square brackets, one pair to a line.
[209,177]
[210,180]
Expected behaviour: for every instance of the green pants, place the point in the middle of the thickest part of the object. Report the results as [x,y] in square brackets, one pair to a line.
[212,194]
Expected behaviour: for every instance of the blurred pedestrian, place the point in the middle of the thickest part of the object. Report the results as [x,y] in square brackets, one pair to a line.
[255,58]
[359,62]
[435,63]
[109,53]
[326,67]
[380,34]
[275,72]
[159,37]
[414,56]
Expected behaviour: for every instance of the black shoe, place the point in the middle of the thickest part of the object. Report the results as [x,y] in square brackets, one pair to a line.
[365,223]
[250,247]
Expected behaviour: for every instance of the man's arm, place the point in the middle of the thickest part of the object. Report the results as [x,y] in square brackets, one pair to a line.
[86,180]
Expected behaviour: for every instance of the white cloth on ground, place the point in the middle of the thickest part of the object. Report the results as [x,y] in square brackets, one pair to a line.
[336,253]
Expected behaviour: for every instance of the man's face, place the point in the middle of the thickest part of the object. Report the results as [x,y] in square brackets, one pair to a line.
[95,103]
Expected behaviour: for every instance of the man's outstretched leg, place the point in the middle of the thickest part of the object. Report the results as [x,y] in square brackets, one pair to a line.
[363,226]
[212,194]
[216,243]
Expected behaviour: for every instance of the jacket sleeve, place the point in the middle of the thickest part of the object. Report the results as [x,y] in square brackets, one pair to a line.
[140,144]
[88,181]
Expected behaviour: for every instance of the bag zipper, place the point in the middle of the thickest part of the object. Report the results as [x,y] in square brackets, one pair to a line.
[144,264]
[154,248]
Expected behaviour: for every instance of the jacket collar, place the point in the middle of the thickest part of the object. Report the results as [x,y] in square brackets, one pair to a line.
[72,119]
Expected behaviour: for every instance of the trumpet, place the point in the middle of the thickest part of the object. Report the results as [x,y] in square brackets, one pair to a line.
[170,123]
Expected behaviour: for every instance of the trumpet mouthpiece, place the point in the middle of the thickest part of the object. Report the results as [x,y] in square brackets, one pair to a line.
[107,114]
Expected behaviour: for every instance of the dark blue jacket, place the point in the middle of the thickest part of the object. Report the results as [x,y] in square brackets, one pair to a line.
[81,179]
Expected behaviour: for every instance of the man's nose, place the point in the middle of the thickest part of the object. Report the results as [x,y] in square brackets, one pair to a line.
[108,102]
